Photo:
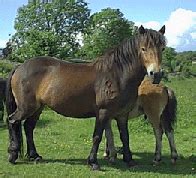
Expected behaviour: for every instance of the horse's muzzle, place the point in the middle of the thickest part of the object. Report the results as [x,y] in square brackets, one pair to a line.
[157,76]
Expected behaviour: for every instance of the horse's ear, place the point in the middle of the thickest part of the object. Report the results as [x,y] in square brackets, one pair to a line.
[142,30]
[162,30]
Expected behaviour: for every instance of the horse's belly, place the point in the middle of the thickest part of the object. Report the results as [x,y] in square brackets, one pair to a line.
[75,108]
[75,113]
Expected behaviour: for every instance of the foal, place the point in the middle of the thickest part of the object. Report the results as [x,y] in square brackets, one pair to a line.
[159,104]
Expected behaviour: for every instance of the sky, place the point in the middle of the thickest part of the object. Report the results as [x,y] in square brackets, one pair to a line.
[179,16]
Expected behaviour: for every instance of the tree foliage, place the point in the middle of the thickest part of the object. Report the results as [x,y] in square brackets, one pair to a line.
[179,63]
[169,59]
[49,28]
[7,50]
[105,30]
[186,63]
[53,27]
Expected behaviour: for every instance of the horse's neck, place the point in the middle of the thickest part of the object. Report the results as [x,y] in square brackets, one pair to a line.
[134,75]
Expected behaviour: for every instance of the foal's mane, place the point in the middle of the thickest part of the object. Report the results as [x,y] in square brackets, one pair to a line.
[127,53]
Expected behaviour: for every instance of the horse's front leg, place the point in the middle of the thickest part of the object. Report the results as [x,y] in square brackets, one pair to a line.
[122,123]
[29,126]
[101,120]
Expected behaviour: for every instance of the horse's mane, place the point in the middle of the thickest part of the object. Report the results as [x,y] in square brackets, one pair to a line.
[119,56]
[154,37]
[126,54]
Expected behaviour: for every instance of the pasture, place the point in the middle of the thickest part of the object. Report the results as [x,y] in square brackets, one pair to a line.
[65,145]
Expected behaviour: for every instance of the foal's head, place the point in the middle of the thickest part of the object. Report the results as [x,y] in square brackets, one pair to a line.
[151,45]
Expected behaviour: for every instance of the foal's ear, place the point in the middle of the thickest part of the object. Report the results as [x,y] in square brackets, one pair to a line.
[142,30]
[162,30]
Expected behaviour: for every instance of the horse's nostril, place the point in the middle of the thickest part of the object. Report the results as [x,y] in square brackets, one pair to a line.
[151,72]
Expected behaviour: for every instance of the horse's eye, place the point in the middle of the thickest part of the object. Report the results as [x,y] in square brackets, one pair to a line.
[143,49]
[163,49]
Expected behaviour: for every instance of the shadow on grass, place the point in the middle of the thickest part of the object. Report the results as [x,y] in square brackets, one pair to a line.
[43,123]
[184,166]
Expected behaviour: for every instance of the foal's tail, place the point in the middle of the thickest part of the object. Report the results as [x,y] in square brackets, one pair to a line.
[11,107]
[169,113]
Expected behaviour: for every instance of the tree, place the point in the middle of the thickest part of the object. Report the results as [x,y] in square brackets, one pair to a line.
[179,63]
[106,29]
[185,63]
[49,28]
[169,59]
[7,50]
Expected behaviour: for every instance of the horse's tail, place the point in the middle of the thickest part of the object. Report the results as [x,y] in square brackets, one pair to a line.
[3,83]
[169,113]
[11,107]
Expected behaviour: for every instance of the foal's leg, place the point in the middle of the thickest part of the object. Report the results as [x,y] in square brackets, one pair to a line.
[154,118]
[101,120]
[122,123]
[158,132]
[170,137]
[110,151]
[29,126]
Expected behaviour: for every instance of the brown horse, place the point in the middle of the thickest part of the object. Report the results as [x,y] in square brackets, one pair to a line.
[159,104]
[106,88]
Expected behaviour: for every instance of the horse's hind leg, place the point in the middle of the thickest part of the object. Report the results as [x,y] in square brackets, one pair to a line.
[122,123]
[170,137]
[17,115]
[26,105]
[110,151]
[29,126]
[15,137]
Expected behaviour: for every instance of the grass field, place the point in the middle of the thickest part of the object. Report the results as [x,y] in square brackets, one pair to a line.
[65,145]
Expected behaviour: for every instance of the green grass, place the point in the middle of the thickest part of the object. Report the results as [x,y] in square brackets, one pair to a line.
[65,145]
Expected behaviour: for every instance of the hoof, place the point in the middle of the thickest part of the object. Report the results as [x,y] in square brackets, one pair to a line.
[94,166]
[156,163]
[38,160]
[131,163]
[12,158]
